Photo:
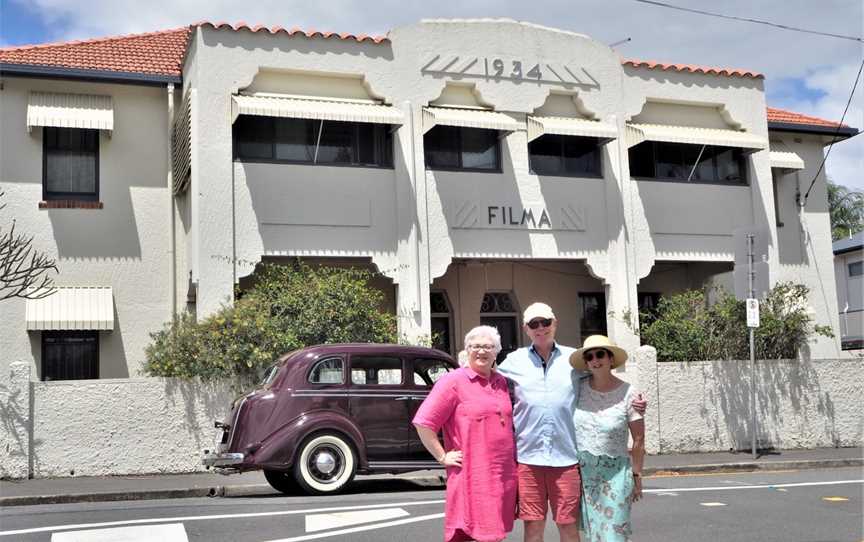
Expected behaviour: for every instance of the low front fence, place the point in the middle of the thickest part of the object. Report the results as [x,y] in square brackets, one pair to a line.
[704,406]
[156,425]
[108,427]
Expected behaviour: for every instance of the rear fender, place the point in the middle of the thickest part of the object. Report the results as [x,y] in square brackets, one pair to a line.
[279,449]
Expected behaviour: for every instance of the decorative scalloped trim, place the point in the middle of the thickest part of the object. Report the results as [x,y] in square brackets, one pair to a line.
[311,33]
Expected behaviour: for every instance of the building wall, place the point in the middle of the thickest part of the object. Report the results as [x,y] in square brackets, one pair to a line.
[122,245]
[850,295]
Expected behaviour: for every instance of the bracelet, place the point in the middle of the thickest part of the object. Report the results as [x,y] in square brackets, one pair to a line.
[443,457]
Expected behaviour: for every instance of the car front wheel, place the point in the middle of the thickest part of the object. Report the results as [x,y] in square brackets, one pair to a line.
[325,464]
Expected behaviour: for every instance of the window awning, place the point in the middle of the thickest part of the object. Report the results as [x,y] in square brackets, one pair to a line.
[469,118]
[299,108]
[70,111]
[786,160]
[538,126]
[72,308]
[637,133]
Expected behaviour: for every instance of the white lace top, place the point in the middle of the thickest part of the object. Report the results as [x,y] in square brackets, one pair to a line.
[601,419]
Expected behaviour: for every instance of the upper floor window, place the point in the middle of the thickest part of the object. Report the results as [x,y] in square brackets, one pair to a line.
[856,269]
[70,164]
[687,162]
[566,156]
[304,141]
[455,147]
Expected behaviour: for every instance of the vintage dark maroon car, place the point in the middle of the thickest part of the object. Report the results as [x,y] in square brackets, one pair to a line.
[327,412]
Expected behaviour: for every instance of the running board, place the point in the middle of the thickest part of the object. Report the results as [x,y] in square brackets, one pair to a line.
[404,465]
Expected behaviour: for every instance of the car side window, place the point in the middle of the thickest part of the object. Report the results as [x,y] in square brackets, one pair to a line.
[428,371]
[376,370]
[327,371]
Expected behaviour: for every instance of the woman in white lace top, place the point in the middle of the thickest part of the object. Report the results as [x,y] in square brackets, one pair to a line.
[603,418]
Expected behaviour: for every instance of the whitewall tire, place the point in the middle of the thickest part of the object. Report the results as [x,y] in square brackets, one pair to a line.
[325,464]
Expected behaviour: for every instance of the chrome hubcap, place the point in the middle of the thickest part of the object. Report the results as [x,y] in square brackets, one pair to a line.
[325,463]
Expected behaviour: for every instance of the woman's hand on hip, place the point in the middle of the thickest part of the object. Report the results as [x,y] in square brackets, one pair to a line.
[453,458]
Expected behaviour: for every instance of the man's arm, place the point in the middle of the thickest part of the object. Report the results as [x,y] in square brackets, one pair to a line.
[639,403]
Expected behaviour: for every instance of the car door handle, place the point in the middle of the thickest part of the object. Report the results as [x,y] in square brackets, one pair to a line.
[404,398]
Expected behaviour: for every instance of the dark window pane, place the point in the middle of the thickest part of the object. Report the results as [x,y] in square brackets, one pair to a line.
[441,145]
[731,166]
[581,155]
[337,143]
[593,320]
[441,333]
[295,139]
[642,160]
[254,136]
[670,162]
[544,154]
[71,162]
[70,355]
[479,149]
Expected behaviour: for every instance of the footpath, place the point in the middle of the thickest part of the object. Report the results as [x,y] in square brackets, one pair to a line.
[209,484]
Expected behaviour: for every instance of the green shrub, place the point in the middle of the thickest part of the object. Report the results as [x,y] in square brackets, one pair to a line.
[289,307]
[685,328]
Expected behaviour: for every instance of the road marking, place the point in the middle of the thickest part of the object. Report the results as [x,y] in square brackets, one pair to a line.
[320,522]
[164,533]
[766,486]
[215,516]
[360,529]
[669,474]
[710,504]
[835,499]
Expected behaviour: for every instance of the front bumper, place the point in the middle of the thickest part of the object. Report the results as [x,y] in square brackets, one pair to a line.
[214,459]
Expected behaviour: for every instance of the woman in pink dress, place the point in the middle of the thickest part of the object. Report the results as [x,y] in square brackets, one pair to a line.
[472,406]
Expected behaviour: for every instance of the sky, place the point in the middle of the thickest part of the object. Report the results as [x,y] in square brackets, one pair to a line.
[806,73]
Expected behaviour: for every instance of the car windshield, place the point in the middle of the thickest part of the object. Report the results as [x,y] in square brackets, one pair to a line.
[270,375]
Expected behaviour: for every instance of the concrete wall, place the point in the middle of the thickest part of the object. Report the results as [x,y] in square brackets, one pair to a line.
[138,426]
[122,245]
[109,426]
[703,406]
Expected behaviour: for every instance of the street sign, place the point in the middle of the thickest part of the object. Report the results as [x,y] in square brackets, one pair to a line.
[752,312]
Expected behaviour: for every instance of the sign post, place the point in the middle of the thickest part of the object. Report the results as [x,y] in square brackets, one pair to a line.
[752,324]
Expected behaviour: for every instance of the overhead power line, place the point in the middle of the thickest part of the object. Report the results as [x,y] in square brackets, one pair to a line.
[756,21]
[836,132]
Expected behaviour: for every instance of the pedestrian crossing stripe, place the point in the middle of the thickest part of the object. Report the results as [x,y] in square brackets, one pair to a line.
[171,532]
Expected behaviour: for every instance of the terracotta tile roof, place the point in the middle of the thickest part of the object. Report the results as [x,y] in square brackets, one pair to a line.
[292,31]
[790,117]
[153,53]
[708,70]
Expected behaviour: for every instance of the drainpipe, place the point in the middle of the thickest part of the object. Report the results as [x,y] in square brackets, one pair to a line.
[172,262]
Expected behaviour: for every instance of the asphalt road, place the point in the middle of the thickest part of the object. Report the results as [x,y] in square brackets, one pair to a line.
[794,506]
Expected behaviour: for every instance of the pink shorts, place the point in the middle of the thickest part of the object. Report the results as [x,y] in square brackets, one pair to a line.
[561,486]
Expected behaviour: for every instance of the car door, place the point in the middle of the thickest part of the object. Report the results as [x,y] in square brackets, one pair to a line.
[424,372]
[379,401]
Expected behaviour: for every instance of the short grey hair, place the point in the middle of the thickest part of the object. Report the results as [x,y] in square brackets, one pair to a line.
[485,331]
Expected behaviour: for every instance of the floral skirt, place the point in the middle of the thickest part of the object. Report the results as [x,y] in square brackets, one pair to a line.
[607,486]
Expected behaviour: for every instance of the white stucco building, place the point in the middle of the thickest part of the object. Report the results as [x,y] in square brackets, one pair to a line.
[479,166]
[849,274]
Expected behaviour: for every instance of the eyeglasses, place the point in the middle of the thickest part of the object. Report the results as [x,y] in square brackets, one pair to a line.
[599,354]
[479,347]
[544,322]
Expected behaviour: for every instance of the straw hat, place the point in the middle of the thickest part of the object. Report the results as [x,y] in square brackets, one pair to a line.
[598,341]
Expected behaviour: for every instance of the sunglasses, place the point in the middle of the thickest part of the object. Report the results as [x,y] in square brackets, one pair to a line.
[544,322]
[599,354]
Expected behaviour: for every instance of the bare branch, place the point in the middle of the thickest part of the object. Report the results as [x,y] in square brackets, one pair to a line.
[23,269]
